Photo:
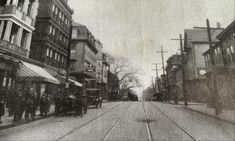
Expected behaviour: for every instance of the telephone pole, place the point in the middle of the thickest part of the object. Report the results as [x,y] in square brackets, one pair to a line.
[156,83]
[163,68]
[216,99]
[182,50]
[183,71]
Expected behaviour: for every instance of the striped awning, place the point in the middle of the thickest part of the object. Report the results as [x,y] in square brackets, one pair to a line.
[32,72]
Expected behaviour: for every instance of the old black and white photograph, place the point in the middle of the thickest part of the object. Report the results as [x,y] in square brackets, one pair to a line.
[117,70]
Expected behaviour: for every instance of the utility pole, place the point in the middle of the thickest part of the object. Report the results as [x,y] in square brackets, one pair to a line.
[182,50]
[156,64]
[216,99]
[183,72]
[163,67]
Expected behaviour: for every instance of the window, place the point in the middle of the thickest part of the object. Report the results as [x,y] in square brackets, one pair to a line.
[53,8]
[54,31]
[72,51]
[58,57]
[62,17]
[232,49]
[51,53]
[50,29]
[60,13]
[56,10]
[48,52]
[55,56]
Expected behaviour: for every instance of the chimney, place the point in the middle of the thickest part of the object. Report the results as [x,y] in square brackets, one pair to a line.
[218,25]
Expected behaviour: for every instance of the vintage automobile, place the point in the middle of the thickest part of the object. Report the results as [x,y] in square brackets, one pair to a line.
[71,103]
[94,97]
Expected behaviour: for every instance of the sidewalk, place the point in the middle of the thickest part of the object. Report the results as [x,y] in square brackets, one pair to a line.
[7,121]
[226,115]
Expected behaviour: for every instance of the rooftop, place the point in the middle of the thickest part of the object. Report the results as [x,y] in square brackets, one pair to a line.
[200,34]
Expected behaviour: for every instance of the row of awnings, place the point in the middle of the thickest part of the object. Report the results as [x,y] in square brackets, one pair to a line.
[33,72]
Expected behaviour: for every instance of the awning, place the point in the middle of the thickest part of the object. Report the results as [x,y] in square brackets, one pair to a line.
[73,82]
[35,73]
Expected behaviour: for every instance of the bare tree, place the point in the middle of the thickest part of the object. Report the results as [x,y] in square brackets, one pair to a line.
[128,76]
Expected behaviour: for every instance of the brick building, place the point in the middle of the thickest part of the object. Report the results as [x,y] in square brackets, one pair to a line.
[51,38]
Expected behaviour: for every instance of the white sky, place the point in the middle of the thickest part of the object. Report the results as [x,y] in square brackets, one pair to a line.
[137,28]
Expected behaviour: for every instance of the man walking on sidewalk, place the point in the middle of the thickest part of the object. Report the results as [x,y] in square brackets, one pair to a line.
[18,106]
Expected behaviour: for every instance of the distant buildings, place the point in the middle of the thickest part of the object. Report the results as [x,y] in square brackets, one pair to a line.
[173,63]
[102,69]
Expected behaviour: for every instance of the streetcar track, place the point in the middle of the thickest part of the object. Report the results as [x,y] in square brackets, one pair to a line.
[67,134]
[181,127]
[150,137]
[116,123]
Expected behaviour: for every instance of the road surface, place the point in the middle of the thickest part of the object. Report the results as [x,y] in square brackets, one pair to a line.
[125,121]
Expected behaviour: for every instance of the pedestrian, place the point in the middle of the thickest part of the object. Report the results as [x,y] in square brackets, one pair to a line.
[2,107]
[10,99]
[18,106]
[58,100]
[29,104]
[44,104]
[79,106]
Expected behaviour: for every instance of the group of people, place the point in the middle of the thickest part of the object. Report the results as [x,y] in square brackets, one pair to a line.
[25,103]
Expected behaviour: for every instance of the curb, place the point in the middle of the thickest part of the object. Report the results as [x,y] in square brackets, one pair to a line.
[213,116]
[23,122]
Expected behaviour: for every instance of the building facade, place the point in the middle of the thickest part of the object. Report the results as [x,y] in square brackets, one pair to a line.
[102,70]
[50,40]
[83,59]
[224,58]
[17,20]
[172,64]
[196,43]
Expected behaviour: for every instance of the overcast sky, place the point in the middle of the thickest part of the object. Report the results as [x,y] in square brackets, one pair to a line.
[137,28]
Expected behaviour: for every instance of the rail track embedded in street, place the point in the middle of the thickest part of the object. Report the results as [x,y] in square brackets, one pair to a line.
[67,134]
[116,123]
[150,137]
[181,127]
